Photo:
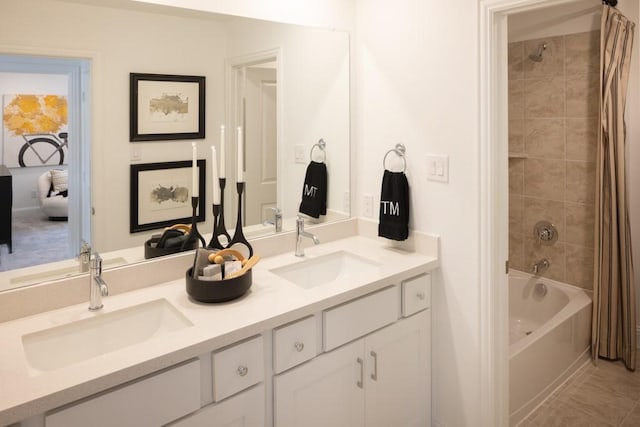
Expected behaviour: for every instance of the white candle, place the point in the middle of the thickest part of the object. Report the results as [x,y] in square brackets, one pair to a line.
[216,186]
[240,156]
[194,171]
[222,158]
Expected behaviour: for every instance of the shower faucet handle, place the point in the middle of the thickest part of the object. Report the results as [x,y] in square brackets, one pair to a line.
[545,232]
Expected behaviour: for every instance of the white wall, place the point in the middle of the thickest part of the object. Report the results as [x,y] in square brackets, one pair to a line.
[25,179]
[417,83]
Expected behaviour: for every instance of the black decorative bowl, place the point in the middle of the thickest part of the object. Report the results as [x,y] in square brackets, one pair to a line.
[152,252]
[218,290]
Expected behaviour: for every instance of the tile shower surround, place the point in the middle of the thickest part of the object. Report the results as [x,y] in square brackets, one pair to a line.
[553,108]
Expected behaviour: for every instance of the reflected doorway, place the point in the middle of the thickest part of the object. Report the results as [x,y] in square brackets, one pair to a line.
[45,145]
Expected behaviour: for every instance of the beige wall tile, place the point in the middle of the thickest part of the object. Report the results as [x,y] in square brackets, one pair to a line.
[579,269]
[516,136]
[544,98]
[515,58]
[516,176]
[544,138]
[536,210]
[544,179]
[534,252]
[582,52]
[516,213]
[582,138]
[516,99]
[580,187]
[582,95]
[580,220]
[516,251]
[552,63]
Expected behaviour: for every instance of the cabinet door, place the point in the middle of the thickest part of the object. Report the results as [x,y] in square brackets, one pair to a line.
[398,368]
[326,391]
[246,409]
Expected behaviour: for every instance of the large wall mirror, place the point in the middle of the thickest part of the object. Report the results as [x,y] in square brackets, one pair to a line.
[287,85]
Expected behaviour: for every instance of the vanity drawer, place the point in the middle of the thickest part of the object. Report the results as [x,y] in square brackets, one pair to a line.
[357,318]
[155,400]
[238,367]
[416,294]
[293,344]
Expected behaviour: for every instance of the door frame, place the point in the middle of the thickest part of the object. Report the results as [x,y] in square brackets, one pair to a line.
[494,203]
[78,70]
[233,71]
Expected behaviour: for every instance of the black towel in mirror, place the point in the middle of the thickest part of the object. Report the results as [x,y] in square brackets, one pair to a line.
[394,206]
[314,191]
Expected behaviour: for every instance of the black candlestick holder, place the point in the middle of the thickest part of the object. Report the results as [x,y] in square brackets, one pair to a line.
[222,230]
[194,234]
[214,243]
[238,236]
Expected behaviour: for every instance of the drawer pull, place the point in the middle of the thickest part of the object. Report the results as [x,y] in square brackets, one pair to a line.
[420,295]
[374,375]
[299,346]
[242,370]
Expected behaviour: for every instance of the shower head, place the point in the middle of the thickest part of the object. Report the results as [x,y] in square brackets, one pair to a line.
[537,57]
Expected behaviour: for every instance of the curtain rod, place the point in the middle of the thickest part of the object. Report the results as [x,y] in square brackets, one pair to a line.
[611,3]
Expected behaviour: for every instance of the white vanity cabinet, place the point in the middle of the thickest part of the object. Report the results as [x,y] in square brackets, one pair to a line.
[381,380]
[152,401]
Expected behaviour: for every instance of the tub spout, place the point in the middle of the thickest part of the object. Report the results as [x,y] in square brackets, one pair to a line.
[541,266]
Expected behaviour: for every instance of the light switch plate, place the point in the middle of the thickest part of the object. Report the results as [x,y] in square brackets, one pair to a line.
[135,154]
[299,154]
[437,168]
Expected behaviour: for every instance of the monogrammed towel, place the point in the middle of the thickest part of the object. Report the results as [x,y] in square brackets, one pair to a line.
[394,206]
[314,191]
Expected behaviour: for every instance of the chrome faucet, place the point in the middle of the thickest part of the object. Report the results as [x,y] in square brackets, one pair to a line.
[84,256]
[97,287]
[541,266]
[300,233]
[276,221]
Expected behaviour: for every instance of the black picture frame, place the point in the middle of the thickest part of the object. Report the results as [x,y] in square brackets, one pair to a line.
[161,107]
[154,184]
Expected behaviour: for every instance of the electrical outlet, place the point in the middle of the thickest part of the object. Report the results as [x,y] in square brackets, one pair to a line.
[135,154]
[367,205]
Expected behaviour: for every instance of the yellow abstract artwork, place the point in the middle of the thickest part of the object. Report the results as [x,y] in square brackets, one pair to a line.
[32,128]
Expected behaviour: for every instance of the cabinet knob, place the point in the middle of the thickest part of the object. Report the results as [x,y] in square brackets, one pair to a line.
[242,370]
[421,295]
[299,346]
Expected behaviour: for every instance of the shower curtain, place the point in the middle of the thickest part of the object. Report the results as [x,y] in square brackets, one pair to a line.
[614,312]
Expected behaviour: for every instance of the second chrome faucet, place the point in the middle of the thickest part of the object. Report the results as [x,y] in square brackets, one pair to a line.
[300,233]
[97,287]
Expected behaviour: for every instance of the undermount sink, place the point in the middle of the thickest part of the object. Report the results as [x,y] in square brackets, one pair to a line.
[334,267]
[75,342]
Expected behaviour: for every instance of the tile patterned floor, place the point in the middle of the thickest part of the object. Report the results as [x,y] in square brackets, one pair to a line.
[602,395]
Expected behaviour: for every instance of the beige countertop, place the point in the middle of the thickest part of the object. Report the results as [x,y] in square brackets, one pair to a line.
[271,301]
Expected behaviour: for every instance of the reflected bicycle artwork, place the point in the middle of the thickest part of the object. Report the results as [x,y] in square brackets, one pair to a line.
[34,130]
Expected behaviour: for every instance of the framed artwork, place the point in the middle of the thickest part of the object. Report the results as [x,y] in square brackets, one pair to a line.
[166,107]
[34,130]
[161,195]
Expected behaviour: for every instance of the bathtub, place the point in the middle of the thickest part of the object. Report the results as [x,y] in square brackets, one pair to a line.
[549,338]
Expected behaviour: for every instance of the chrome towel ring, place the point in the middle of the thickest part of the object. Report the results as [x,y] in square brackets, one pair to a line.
[321,145]
[399,150]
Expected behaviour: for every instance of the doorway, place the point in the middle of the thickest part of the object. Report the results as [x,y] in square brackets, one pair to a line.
[57,89]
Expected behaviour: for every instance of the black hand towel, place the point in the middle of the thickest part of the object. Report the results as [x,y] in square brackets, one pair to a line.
[314,191]
[394,206]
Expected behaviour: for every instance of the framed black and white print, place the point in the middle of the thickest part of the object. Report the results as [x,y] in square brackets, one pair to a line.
[161,195]
[166,107]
